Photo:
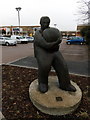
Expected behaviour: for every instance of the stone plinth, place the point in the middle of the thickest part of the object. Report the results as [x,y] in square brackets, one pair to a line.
[55,101]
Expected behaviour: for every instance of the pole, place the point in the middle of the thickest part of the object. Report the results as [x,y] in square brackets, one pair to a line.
[18,9]
[18,19]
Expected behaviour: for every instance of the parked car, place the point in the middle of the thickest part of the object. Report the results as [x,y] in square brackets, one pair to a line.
[7,41]
[75,40]
[19,39]
[29,38]
[64,37]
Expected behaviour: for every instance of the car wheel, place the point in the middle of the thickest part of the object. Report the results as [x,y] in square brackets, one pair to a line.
[81,43]
[68,43]
[7,44]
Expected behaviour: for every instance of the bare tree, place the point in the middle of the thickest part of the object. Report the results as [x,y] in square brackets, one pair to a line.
[84,11]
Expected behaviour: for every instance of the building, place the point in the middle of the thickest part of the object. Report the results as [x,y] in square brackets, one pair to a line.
[81,26]
[22,30]
[68,33]
[30,30]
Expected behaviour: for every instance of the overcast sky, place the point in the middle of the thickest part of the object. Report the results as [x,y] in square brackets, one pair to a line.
[61,12]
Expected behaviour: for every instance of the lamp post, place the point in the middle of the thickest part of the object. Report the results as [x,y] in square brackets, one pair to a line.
[55,24]
[18,9]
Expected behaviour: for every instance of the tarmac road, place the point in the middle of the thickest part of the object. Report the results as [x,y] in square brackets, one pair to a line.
[76,56]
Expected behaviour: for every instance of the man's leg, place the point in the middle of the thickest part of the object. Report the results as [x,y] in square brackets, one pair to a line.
[44,67]
[61,69]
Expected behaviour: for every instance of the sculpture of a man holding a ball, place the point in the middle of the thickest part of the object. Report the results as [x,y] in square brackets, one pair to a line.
[46,48]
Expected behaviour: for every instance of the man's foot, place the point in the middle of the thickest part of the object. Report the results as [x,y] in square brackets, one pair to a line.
[43,87]
[69,88]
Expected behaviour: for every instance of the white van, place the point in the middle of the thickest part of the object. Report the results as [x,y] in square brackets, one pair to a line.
[19,39]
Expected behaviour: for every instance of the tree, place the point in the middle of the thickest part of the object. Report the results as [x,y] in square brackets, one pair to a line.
[85,32]
[84,10]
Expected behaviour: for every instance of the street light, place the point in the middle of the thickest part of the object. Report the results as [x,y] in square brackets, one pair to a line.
[55,24]
[18,9]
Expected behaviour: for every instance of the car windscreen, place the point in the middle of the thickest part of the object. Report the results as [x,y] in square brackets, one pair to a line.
[21,38]
[7,38]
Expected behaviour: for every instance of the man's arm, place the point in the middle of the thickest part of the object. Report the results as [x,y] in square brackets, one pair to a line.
[40,41]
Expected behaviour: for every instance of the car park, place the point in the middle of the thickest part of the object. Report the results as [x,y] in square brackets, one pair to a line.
[7,41]
[75,40]
[19,39]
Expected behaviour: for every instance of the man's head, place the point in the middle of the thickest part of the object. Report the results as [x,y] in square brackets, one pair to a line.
[44,22]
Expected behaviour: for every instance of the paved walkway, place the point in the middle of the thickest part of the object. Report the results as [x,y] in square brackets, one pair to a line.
[75,67]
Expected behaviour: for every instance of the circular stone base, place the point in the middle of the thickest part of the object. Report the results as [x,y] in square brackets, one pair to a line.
[55,101]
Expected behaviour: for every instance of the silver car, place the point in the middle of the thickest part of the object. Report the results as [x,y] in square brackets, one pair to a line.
[7,41]
[29,38]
